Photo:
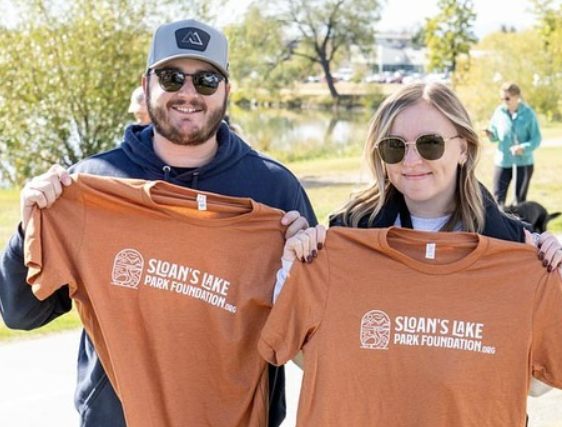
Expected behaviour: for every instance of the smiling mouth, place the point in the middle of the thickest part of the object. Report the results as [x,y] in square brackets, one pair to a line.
[416,176]
[186,110]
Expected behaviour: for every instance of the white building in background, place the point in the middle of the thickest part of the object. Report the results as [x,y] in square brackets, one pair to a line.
[392,52]
[395,52]
[392,59]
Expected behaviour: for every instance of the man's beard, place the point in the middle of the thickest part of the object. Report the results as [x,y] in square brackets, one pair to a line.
[160,120]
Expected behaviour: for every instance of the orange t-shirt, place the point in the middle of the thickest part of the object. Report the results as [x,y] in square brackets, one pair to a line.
[173,297]
[402,328]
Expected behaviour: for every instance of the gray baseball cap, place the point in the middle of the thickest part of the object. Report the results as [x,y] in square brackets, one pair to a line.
[189,39]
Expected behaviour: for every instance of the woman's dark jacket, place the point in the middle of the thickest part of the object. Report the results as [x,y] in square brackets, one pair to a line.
[497,224]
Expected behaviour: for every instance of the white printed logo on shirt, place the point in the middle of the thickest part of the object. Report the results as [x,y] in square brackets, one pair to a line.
[379,331]
[375,330]
[127,269]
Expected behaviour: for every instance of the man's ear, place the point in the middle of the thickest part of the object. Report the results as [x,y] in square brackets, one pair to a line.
[144,82]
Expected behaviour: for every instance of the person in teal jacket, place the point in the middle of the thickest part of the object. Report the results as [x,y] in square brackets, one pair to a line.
[515,129]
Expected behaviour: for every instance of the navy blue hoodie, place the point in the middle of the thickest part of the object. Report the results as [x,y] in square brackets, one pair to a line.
[236,170]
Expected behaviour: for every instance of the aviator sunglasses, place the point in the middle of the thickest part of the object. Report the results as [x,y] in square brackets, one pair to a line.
[392,149]
[205,82]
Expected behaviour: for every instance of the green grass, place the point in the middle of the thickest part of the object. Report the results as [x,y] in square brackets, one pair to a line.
[325,167]
[9,217]
[326,199]
[329,183]
[551,130]
[63,323]
[546,184]
[9,213]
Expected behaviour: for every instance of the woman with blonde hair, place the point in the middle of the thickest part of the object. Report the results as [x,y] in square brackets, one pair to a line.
[439,128]
[422,151]
[464,320]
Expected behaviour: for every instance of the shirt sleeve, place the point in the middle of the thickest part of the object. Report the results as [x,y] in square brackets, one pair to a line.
[546,352]
[534,134]
[52,240]
[493,127]
[282,275]
[298,311]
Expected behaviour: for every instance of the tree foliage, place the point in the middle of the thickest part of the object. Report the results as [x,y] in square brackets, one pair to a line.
[503,57]
[549,27]
[548,19]
[418,37]
[532,59]
[260,57]
[449,34]
[68,70]
[548,76]
[321,29]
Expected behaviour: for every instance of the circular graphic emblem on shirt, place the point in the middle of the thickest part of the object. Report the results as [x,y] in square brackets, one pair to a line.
[127,269]
[375,330]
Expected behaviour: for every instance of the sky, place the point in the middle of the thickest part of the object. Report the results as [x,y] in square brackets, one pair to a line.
[397,15]
[490,14]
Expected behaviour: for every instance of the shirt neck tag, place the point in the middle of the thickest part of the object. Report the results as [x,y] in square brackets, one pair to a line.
[201,202]
[430,251]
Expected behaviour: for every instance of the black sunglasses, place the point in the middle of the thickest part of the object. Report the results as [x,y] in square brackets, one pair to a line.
[392,149]
[507,98]
[205,82]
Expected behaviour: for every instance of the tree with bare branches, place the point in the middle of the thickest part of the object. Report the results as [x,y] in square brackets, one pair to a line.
[322,29]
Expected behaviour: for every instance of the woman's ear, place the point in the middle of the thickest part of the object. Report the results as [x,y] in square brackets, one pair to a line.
[464,152]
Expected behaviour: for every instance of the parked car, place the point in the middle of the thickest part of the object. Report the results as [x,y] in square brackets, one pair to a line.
[374,78]
[444,78]
[413,78]
[343,74]
[395,77]
[312,79]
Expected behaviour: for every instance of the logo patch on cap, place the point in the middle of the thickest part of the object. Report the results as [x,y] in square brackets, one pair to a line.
[192,39]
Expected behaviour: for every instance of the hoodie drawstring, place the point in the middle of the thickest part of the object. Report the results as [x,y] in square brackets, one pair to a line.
[166,170]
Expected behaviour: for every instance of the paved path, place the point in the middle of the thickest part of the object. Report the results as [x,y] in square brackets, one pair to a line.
[37,379]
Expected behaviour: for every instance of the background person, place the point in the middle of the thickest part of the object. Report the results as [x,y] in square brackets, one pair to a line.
[186,86]
[138,107]
[515,130]
[234,127]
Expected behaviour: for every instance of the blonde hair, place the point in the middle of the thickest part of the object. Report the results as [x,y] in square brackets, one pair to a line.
[511,88]
[469,205]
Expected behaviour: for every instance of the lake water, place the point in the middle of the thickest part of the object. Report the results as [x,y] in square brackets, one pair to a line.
[297,134]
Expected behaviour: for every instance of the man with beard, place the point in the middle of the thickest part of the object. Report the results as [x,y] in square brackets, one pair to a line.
[186,86]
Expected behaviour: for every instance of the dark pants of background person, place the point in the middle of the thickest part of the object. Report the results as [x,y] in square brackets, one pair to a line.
[503,177]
